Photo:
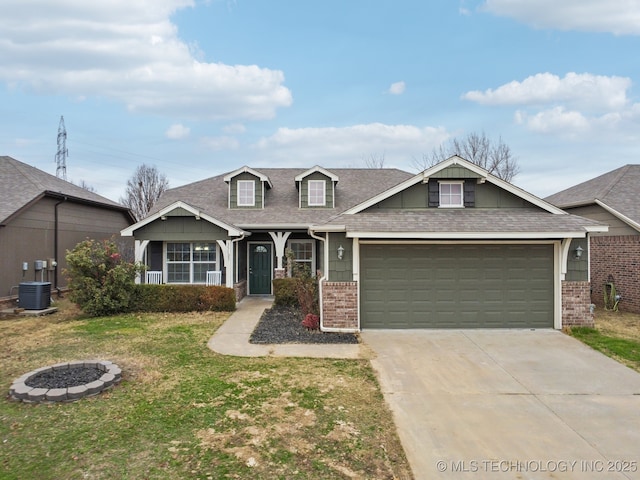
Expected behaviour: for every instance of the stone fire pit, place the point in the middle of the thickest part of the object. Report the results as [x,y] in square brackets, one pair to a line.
[66,382]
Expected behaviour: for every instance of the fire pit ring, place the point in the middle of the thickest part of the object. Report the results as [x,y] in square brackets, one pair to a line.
[59,382]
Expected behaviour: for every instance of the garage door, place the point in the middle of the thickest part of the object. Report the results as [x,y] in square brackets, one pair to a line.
[456,286]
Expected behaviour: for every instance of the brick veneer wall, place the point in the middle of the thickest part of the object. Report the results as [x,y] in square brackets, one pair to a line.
[576,301]
[340,305]
[240,289]
[618,257]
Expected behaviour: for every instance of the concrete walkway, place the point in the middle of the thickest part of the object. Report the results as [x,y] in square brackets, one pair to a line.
[232,338]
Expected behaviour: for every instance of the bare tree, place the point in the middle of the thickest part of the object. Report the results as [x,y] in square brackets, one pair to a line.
[143,190]
[86,186]
[374,160]
[496,158]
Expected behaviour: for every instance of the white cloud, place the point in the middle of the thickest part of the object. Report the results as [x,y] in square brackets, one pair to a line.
[220,143]
[177,131]
[397,88]
[129,52]
[346,145]
[234,129]
[586,90]
[617,17]
[556,119]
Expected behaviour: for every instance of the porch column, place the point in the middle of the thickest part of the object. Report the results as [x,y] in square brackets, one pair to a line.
[140,247]
[280,240]
[226,247]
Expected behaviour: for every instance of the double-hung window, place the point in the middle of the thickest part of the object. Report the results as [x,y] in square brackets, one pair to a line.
[451,194]
[317,193]
[246,193]
[302,251]
[189,262]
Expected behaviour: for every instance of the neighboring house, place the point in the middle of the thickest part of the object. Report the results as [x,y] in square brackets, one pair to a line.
[612,199]
[451,247]
[41,217]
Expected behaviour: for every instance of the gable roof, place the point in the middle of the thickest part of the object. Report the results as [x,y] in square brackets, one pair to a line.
[21,185]
[209,196]
[548,221]
[616,191]
[456,160]
[317,168]
[245,169]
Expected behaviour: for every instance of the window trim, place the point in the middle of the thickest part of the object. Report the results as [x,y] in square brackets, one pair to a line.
[312,261]
[323,203]
[440,194]
[191,262]
[239,202]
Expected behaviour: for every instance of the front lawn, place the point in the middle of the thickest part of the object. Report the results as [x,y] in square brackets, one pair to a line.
[183,411]
[616,334]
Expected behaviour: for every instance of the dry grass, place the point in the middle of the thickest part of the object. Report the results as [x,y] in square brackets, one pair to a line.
[620,324]
[183,411]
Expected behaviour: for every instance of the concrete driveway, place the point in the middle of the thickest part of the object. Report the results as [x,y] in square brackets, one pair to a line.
[508,404]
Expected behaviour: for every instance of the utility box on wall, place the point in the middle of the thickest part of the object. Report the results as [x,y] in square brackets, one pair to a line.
[34,295]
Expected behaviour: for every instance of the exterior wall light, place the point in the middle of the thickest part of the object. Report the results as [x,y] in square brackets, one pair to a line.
[578,252]
[340,252]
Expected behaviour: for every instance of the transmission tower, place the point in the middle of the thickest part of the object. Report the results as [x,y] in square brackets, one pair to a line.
[62,153]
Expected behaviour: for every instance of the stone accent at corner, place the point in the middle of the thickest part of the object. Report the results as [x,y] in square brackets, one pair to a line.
[241,290]
[21,391]
[576,301]
[340,305]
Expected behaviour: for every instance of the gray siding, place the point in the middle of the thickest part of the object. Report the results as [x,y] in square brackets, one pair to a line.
[304,190]
[179,229]
[233,190]
[578,269]
[599,214]
[340,270]
[31,236]
[487,195]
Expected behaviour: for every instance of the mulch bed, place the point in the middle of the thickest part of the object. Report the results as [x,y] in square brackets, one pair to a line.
[284,325]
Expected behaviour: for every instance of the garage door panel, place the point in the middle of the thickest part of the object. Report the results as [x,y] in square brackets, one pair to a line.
[454,286]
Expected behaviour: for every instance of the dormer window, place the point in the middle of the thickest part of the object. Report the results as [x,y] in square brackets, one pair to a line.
[246,193]
[317,193]
[451,194]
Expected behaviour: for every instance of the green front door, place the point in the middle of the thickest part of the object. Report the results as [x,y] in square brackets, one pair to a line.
[260,269]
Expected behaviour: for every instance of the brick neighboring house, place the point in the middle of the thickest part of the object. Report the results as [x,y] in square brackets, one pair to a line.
[614,199]
[41,217]
[450,247]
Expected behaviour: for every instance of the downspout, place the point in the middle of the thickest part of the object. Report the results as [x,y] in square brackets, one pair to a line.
[55,242]
[325,271]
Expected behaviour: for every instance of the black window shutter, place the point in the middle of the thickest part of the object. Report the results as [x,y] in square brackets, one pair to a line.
[469,194]
[434,193]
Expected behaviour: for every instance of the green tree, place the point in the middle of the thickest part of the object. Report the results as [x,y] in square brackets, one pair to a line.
[101,281]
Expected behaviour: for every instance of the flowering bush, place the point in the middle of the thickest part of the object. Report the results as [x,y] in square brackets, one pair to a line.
[311,322]
[101,281]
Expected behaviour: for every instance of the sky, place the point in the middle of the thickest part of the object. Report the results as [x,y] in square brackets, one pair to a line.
[198,88]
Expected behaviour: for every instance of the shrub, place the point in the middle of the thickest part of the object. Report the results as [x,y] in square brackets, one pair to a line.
[184,298]
[311,322]
[100,280]
[284,291]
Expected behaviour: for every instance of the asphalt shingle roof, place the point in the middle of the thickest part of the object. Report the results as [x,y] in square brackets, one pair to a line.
[355,186]
[21,184]
[210,196]
[618,189]
[462,221]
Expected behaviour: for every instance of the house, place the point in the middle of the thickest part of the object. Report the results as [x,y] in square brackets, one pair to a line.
[451,247]
[41,217]
[612,199]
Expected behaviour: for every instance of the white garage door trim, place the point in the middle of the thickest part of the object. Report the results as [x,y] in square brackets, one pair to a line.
[557,254]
